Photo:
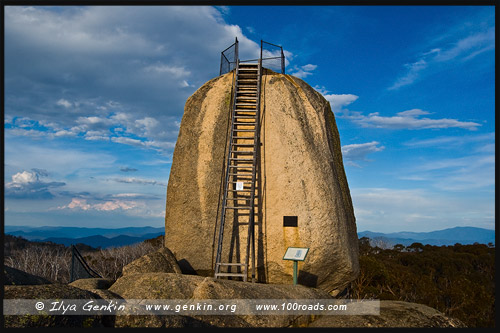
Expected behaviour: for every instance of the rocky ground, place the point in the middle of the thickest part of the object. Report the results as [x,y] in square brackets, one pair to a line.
[157,276]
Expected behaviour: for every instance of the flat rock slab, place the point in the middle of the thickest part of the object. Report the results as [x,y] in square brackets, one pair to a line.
[177,286]
[92,283]
[392,314]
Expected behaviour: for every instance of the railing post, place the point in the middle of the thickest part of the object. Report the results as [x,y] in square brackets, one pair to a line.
[236,56]
[221,60]
[261,52]
[282,62]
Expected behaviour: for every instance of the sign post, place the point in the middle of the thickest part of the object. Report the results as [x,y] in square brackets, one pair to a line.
[296,254]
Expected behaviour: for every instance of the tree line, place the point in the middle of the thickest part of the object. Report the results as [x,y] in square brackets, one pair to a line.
[457,280]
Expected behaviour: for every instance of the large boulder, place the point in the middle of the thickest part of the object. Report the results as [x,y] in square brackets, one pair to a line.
[161,261]
[53,292]
[393,314]
[14,276]
[178,286]
[300,174]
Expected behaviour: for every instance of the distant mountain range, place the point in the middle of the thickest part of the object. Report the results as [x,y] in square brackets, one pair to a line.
[450,236]
[95,237]
[104,238]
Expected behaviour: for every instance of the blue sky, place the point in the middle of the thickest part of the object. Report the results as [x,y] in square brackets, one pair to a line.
[94,98]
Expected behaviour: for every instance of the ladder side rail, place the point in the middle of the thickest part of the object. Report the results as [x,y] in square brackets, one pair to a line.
[226,182]
[251,226]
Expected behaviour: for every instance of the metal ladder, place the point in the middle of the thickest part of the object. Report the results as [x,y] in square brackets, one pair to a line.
[241,170]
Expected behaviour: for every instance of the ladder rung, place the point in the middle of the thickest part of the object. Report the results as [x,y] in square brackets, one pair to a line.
[241,167]
[230,274]
[244,123]
[243,130]
[241,159]
[249,152]
[244,117]
[244,137]
[230,264]
[243,144]
[246,208]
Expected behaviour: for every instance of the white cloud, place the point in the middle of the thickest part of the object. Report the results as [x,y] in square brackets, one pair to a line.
[406,120]
[409,119]
[63,102]
[446,142]
[461,49]
[303,71]
[141,181]
[24,177]
[413,73]
[338,102]
[129,141]
[78,203]
[358,151]
[27,185]
[469,47]
[176,72]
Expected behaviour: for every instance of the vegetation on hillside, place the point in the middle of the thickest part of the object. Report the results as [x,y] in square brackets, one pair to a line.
[457,280]
[53,261]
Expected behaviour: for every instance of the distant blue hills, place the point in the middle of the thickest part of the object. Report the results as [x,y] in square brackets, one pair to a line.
[450,236]
[95,237]
[105,238]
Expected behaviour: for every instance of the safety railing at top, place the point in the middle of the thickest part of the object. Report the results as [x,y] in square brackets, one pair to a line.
[272,56]
[228,58]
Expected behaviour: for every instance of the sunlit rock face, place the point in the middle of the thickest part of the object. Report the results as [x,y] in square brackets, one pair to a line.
[300,174]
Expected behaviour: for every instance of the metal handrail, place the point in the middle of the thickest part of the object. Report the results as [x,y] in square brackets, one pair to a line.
[228,63]
[281,51]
